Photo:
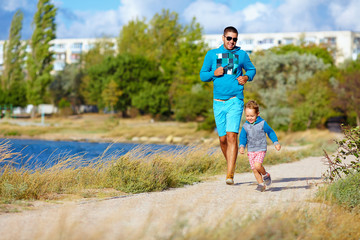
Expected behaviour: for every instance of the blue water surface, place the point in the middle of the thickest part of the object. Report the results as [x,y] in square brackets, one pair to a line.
[44,153]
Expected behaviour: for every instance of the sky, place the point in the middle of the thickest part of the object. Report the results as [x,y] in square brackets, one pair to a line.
[97,18]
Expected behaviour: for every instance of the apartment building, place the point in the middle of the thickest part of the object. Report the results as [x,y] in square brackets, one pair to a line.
[345,44]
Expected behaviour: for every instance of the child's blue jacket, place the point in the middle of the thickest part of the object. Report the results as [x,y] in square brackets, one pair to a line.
[254,135]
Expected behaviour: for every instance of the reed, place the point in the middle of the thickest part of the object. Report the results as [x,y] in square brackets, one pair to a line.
[116,174]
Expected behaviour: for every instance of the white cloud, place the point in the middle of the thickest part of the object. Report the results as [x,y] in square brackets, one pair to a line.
[214,17]
[289,15]
[95,24]
[255,11]
[346,14]
[13,5]
[91,24]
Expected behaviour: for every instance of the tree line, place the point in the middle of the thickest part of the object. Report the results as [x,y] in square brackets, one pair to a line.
[155,70]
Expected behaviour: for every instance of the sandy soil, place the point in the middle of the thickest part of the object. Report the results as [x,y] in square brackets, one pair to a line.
[155,215]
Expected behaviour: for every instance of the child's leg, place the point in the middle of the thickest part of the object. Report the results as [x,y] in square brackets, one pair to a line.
[260,168]
[258,176]
[254,166]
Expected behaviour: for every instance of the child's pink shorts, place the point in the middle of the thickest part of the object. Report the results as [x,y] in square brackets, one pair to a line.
[256,157]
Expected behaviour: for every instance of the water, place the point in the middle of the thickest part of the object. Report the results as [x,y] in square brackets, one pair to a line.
[44,153]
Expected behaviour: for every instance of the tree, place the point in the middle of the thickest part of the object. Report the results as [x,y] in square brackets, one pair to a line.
[278,75]
[312,102]
[134,38]
[39,62]
[318,51]
[90,88]
[12,79]
[66,86]
[349,89]
[129,72]
[177,51]
[111,94]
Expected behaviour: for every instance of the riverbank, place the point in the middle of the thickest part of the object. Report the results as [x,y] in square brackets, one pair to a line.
[107,128]
[180,213]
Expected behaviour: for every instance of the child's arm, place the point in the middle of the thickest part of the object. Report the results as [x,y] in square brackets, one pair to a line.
[243,141]
[272,135]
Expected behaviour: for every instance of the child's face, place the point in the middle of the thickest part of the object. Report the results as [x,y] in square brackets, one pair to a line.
[251,115]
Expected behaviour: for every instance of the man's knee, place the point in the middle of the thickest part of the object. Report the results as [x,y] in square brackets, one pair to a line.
[223,140]
[231,137]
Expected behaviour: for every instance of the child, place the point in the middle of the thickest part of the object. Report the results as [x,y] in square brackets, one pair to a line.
[253,134]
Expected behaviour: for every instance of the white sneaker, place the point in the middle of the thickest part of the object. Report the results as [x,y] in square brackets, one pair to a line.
[267,179]
[261,187]
[229,181]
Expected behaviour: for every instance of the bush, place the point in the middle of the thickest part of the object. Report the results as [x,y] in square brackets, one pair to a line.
[339,165]
[345,192]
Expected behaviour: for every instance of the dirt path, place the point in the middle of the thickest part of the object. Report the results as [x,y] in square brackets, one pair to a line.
[152,215]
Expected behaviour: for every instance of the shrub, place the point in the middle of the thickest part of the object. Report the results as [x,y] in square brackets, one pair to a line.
[339,165]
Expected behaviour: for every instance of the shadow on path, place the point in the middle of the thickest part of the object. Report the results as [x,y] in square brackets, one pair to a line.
[273,188]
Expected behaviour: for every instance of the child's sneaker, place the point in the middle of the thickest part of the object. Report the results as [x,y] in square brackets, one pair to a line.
[261,187]
[267,179]
[229,181]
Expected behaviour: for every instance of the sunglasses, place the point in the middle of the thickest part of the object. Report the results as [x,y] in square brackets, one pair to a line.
[229,39]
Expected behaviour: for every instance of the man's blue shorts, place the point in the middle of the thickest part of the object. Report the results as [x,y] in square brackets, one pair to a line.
[228,115]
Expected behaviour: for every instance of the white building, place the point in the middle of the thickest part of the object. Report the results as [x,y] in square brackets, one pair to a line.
[345,43]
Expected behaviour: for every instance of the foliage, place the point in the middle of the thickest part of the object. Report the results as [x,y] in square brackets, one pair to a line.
[209,122]
[320,52]
[12,78]
[66,85]
[345,192]
[339,165]
[176,50]
[134,38]
[196,103]
[277,76]
[153,99]
[129,72]
[349,89]
[312,102]
[39,61]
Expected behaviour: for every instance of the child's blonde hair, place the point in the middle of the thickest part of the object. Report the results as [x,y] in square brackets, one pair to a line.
[252,104]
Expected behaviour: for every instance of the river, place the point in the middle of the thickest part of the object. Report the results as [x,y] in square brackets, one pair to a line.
[45,153]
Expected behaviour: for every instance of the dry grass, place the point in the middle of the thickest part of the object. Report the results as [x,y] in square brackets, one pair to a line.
[317,222]
[309,223]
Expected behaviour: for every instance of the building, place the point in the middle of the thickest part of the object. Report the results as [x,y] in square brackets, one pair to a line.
[346,44]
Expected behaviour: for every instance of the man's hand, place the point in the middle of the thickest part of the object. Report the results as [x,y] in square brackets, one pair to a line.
[242,79]
[278,147]
[219,72]
[241,150]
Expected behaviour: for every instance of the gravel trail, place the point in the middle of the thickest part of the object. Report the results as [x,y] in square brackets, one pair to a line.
[154,215]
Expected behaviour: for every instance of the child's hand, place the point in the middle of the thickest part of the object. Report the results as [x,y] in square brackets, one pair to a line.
[242,150]
[278,147]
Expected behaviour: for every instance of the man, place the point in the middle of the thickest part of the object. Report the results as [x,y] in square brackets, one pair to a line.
[224,66]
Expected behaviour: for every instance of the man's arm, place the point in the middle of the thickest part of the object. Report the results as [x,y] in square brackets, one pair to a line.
[249,68]
[206,73]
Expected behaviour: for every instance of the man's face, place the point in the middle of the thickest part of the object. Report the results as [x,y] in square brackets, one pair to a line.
[230,44]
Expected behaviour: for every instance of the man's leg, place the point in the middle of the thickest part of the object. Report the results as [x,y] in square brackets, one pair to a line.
[231,152]
[223,145]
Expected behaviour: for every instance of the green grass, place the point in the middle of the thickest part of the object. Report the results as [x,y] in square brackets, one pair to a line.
[344,192]
[134,172]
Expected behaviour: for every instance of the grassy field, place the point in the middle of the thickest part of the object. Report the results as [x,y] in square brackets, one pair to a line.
[113,175]
[118,175]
